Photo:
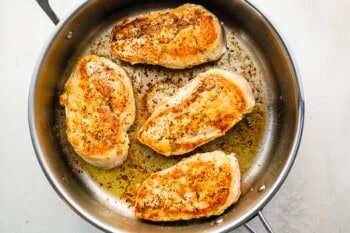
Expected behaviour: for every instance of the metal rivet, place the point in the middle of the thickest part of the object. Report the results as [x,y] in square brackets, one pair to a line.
[70,35]
[219,221]
[261,188]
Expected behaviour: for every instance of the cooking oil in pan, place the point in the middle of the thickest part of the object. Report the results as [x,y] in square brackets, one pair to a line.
[151,84]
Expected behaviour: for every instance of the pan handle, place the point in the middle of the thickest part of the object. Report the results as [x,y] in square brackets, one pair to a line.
[44,4]
[266,224]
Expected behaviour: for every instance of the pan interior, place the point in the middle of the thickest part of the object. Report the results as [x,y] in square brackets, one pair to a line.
[261,141]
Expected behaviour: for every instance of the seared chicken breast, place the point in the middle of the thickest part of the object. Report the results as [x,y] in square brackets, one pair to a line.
[202,185]
[204,109]
[179,38]
[100,108]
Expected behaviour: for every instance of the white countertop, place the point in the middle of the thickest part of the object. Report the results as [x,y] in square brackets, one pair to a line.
[315,196]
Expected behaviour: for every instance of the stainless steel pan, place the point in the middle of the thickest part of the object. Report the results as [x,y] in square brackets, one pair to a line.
[279,144]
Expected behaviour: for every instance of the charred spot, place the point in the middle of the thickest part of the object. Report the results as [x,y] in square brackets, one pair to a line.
[206,86]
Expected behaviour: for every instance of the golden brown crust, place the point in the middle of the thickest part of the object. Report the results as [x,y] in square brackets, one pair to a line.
[178,38]
[99,105]
[199,186]
[199,112]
